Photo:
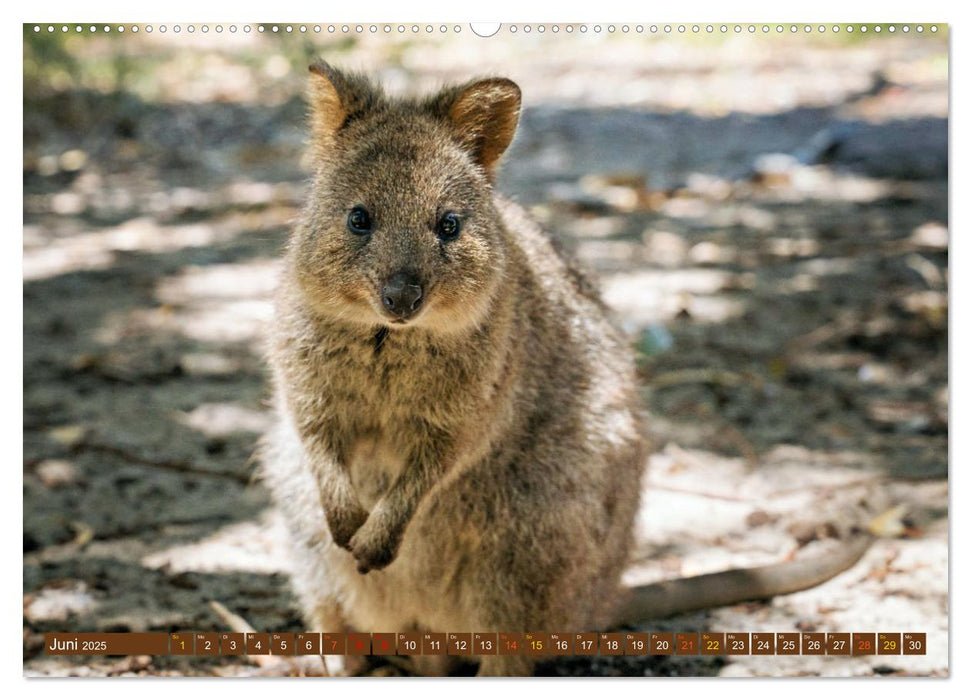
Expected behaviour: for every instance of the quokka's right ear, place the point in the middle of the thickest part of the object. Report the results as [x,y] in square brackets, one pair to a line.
[483,115]
[336,98]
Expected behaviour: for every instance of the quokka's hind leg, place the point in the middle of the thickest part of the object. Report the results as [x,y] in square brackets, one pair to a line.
[323,614]
[506,666]
[319,603]
[326,616]
[433,665]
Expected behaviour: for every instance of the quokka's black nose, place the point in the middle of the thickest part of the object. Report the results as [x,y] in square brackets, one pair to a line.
[402,295]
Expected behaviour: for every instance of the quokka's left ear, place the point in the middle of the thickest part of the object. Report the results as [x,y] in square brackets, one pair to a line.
[483,115]
[337,97]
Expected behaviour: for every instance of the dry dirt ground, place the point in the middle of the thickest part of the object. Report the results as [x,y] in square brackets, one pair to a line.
[768,217]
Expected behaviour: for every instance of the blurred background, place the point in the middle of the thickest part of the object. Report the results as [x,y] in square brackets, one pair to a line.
[767,213]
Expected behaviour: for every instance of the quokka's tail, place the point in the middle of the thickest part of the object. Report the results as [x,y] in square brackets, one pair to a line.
[667,598]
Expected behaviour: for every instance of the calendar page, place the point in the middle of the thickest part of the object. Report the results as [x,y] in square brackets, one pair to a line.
[609,348]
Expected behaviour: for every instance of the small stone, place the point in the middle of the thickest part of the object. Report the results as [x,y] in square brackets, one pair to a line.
[73,160]
[775,168]
[56,472]
[758,518]
[804,532]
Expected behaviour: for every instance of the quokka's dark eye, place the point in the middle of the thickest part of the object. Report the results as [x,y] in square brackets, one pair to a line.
[359,221]
[448,227]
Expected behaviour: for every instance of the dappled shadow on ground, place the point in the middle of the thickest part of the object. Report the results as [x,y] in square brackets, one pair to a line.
[789,312]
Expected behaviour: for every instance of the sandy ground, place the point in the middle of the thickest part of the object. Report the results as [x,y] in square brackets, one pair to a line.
[767,216]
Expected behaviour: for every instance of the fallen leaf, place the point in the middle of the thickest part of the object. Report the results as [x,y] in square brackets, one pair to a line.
[889,523]
[84,533]
[68,435]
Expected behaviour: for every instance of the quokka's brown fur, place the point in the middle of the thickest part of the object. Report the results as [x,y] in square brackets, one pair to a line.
[475,467]
[458,444]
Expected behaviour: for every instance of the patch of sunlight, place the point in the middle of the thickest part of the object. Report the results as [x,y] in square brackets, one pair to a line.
[649,296]
[708,253]
[600,227]
[779,468]
[665,249]
[744,215]
[823,467]
[609,255]
[60,259]
[792,247]
[230,322]
[96,250]
[804,182]
[667,510]
[209,364]
[252,279]
[256,546]
[207,321]
[625,192]
[686,208]
[819,267]
[239,194]
[58,601]
[218,303]
[713,309]
[692,505]
[927,303]
[705,510]
[221,419]
[931,235]
[797,284]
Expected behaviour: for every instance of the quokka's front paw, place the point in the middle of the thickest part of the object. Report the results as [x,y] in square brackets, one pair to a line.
[344,522]
[373,546]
